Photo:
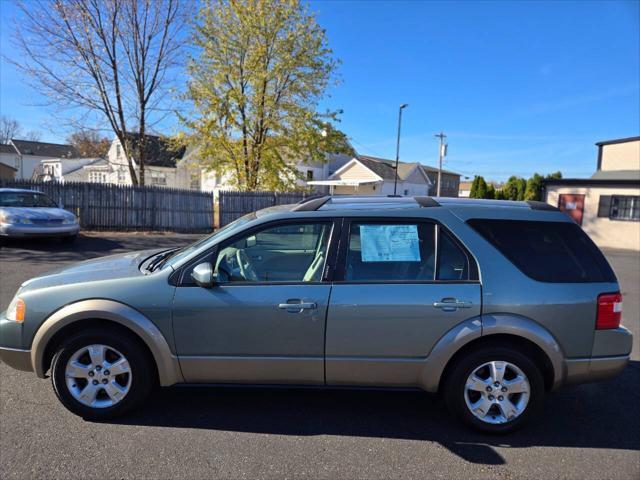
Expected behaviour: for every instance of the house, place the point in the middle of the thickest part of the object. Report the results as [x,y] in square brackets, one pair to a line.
[25,155]
[161,164]
[7,172]
[606,205]
[366,175]
[464,190]
[64,169]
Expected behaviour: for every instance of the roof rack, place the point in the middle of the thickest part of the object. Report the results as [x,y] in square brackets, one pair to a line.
[536,205]
[426,201]
[312,204]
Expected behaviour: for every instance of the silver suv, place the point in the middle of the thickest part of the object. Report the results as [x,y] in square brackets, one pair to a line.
[491,303]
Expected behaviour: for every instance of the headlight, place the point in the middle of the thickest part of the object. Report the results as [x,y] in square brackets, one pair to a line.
[13,219]
[5,218]
[16,310]
[69,220]
[21,220]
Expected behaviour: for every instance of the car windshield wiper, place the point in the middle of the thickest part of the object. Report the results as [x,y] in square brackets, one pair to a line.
[158,261]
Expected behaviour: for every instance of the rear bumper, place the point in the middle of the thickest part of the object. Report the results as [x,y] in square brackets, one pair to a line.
[16,358]
[610,354]
[7,230]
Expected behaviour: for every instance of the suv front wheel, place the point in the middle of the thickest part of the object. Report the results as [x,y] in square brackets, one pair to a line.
[494,389]
[100,375]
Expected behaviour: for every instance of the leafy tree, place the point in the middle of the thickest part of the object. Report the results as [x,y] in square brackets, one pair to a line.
[554,176]
[499,195]
[113,60]
[534,188]
[89,143]
[521,186]
[510,189]
[478,187]
[491,192]
[261,68]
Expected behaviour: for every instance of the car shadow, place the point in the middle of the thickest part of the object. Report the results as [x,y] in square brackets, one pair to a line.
[601,415]
[87,246]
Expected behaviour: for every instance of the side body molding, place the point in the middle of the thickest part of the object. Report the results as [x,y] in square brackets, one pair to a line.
[446,348]
[499,323]
[168,367]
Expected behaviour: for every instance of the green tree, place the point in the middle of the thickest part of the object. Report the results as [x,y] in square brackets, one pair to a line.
[478,187]
[554,176]
[534,188]
[499,195]
[510,189]
[521,186]
[491,192]
[261,68]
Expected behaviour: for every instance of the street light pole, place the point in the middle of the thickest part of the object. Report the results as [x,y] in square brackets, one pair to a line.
[442,154]
[395,183]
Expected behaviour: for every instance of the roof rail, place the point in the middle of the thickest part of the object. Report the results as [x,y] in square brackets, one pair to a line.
[310,205]
[537,205]
[426,201]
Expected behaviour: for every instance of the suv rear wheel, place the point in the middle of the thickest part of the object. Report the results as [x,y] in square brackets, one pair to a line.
[494,389]
[100,375]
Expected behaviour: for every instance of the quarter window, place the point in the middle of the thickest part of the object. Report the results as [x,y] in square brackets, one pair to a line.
[284,253]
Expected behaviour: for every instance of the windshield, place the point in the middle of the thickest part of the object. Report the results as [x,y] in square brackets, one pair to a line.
[184,252]
[26,199]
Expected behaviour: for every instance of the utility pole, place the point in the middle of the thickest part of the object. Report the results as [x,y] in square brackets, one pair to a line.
[395,182]
[443,153]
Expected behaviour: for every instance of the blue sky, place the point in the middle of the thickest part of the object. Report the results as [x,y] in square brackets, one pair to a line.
[518,87]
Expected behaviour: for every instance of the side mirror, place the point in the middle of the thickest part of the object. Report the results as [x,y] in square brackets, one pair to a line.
[203,275]
[251,241]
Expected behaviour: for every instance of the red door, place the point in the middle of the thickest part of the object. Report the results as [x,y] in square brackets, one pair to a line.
[573,205]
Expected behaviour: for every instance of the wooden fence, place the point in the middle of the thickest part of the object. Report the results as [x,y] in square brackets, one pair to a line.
[125,208]
[233,205]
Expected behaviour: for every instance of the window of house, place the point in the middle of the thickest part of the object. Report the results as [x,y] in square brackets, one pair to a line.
[624,207]
[118,151]
[158,178]
[122,176]
[97,177]
[406,192]
[309,175]
[284,253]
[195,181]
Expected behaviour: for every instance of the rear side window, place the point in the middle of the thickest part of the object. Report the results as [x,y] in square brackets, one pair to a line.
[556,252]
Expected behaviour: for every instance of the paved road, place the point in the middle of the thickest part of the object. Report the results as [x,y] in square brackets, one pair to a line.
[590,431]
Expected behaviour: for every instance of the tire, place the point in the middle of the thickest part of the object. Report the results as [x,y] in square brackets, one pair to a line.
[69,239]
[462,392]
[128,390]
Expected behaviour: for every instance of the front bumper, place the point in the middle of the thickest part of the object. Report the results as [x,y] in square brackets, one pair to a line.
[10,230]
[610,355]
[16,358]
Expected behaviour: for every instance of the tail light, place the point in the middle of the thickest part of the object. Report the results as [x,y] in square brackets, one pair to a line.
[609,311]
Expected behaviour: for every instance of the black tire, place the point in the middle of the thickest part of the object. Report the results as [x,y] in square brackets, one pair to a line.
[454,387]
[69,239]
[143,374]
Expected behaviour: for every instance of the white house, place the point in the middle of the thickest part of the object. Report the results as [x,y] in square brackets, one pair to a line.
[25,155]
[364,175]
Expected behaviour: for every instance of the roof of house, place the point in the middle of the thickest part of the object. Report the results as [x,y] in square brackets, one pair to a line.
[6,148]
[618,140]
[404,168]
[616,175]
[160,153]
[41,149]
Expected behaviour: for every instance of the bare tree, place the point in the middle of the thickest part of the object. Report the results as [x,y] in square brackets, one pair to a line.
[113,59]
[33,136]
[9,128]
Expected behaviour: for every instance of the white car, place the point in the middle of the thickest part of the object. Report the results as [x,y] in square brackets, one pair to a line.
[29,213]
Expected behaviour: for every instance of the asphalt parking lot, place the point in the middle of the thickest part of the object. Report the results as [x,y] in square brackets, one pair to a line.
[588,431]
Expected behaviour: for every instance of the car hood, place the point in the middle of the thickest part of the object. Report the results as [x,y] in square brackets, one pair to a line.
[38,213]
[104,268]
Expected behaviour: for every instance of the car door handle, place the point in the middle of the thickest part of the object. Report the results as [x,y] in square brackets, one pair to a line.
[293,306]
[451,304]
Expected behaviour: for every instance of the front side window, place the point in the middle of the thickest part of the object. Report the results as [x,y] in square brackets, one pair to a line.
[294,252]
